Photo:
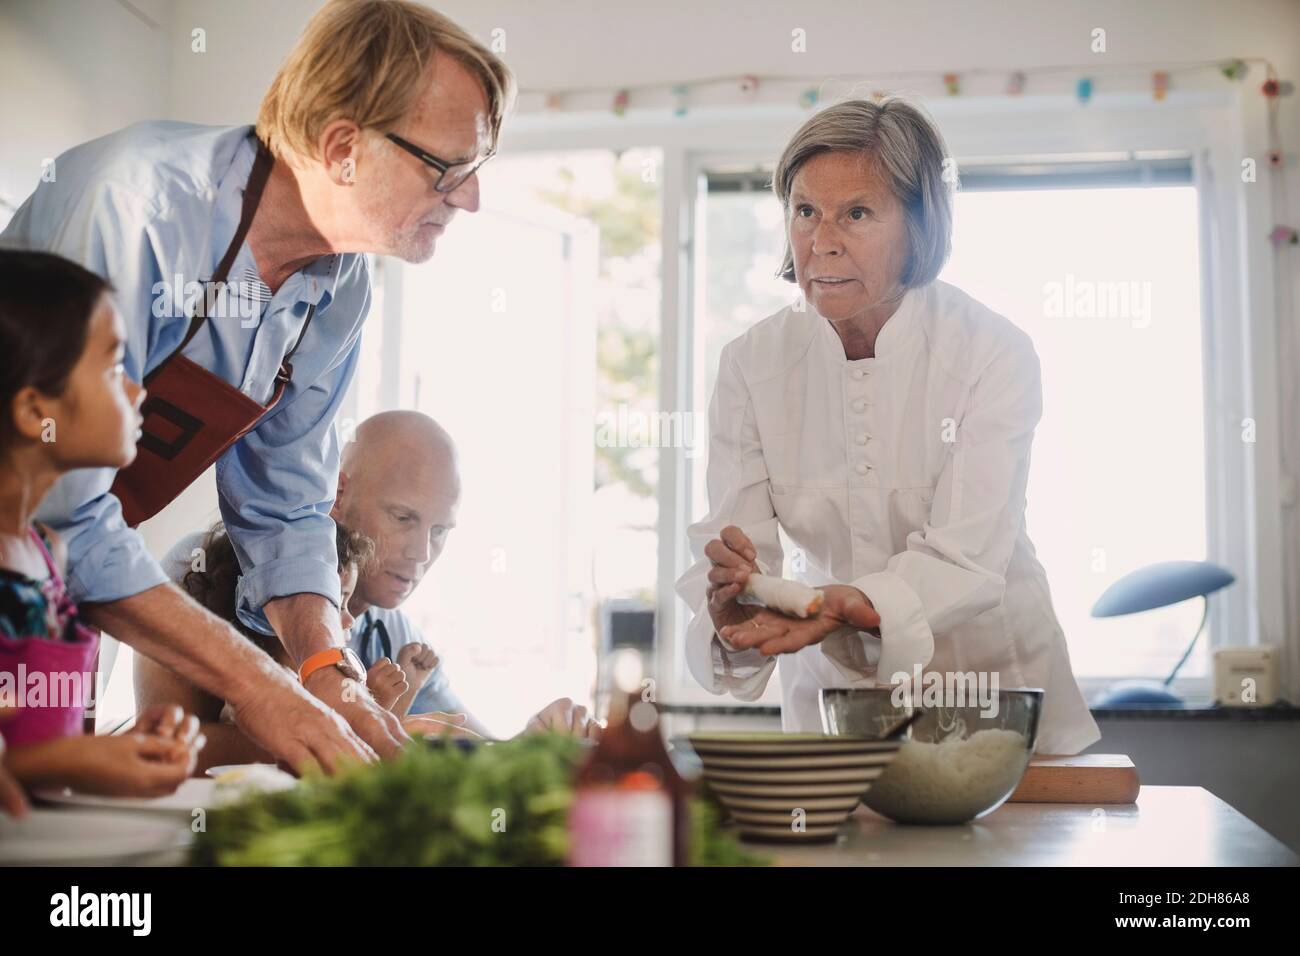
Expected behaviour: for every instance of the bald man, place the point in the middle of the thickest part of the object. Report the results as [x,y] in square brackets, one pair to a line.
[399,485]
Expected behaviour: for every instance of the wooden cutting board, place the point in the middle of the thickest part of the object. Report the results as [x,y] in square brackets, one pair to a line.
[1086,778]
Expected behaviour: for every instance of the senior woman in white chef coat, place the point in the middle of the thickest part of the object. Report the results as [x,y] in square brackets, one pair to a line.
[886,428]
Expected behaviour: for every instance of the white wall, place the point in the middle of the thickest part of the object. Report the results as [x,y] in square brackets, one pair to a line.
[71,70]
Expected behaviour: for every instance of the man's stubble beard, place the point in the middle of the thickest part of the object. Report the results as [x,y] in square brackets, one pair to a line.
[404,247]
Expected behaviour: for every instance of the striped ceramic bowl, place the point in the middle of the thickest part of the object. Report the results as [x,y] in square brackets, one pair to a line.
[790,787]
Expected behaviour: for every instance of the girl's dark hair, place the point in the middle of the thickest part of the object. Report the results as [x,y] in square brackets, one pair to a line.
[46,303]
[214,587]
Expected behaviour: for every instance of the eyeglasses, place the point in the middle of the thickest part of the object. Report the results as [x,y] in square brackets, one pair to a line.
[451,175]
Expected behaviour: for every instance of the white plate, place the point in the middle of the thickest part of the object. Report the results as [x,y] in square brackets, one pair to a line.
[90,838]
[234,782]
[226,768]
[191,795]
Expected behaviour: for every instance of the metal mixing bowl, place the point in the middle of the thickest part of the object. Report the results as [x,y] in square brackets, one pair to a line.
[941,776]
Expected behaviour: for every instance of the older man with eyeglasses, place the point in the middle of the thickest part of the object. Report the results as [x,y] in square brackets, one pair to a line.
[237,256]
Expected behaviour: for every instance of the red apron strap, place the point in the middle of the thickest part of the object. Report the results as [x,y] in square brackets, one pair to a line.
[192,416]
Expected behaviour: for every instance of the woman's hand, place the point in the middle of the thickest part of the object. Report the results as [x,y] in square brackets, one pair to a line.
[734,560]
[773,633]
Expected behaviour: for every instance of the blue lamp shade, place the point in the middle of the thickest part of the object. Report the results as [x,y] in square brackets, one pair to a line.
[1157,585]
[1160,585]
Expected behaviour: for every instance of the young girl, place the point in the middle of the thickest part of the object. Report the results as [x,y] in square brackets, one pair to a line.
[214,586]
[66,404]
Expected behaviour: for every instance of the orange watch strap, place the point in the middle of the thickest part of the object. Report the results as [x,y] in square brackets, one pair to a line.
[318,660]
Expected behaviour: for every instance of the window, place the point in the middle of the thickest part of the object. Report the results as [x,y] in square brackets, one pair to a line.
[532,337]
[1106,280]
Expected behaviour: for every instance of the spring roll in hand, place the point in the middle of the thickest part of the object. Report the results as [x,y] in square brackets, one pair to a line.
[787,597]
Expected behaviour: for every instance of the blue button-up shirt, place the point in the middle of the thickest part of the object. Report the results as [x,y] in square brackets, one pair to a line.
[153,207]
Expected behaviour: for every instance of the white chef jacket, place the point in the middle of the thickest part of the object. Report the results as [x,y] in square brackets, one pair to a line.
[904,475]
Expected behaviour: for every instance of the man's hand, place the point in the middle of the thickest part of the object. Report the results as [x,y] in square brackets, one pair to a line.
[307,623]
[168,626]
[378,727]
[299,729]
[564,717]
[774,633]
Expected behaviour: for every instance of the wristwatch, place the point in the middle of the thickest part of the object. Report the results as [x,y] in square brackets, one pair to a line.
[344,658]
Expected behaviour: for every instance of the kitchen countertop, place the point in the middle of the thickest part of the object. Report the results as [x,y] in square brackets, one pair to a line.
[1279,711]
[1168,826]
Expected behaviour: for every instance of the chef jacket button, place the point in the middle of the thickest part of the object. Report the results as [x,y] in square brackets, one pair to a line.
[860,405]
[862,468]
[859,373]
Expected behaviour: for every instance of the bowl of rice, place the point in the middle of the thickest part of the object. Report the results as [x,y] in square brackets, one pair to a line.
[956,764]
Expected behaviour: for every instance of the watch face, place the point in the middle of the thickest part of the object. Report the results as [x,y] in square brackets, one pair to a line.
[351,665]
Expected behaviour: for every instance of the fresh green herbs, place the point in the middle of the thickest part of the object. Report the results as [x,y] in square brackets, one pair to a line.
[444,805]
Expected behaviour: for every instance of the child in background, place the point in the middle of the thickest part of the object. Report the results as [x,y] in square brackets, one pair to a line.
[214,587]
[67,404]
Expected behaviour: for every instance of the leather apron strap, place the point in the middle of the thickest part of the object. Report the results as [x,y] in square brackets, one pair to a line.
[192,416]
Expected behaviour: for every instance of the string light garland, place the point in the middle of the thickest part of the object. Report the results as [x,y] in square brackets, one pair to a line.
[1015,83]
[1157,75]
[1159,84]
[812,89]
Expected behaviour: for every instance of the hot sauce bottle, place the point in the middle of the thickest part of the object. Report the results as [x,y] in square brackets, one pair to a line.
[629,806]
